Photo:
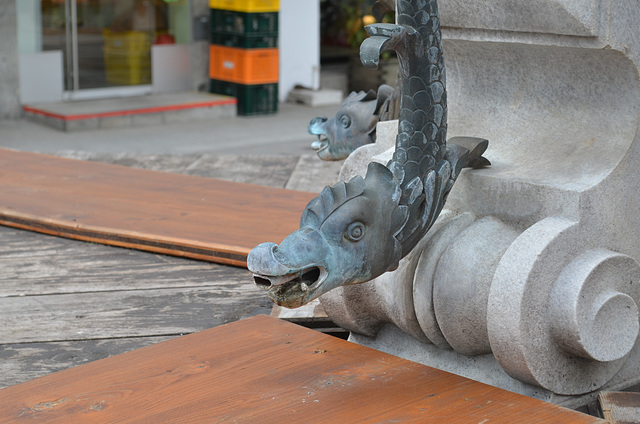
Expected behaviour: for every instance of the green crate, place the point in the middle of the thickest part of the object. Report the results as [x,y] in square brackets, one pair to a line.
[245,24]
[245,42]
[222,87]
[259,99]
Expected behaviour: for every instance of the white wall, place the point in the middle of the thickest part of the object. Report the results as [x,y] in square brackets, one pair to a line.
[299,42]
[29,26]
[170,67]
[36,85]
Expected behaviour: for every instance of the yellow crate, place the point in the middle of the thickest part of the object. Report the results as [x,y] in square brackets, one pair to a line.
[246,5]
[127,40]
[127,68]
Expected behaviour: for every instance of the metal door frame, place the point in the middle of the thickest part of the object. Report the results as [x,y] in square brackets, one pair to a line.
[72,76]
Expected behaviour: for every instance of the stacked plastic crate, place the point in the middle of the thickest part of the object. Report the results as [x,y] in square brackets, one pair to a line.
[243,55]
[127,57]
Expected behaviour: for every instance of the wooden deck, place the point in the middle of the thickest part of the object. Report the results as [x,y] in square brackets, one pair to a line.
[188,216]
[264,370]
[65,302]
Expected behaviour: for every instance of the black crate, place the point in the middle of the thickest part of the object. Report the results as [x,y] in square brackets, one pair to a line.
[245,24]
[245,41]
[258,99]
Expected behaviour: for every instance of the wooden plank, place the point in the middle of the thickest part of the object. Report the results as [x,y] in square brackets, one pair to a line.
[620,407]
[37,264]
[132,313]
[156,162]
[37,269]
[54,289]
[26,361]
[269,170]
[268,371]
[187,216]
[266,170]
[313,174]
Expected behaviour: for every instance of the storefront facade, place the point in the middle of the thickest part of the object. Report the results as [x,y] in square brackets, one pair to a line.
[98,48]
[52,50]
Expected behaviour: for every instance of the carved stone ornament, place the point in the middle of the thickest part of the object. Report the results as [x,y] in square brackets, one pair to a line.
[530,277]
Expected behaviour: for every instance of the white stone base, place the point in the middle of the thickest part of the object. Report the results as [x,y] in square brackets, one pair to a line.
[483,368]
[315,98]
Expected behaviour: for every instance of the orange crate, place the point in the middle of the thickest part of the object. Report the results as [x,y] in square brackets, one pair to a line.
[243,66]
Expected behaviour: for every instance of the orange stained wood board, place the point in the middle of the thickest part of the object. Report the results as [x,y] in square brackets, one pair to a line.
[200,218]
[264,370]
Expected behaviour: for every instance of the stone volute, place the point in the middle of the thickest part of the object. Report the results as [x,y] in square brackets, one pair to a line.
[529,279]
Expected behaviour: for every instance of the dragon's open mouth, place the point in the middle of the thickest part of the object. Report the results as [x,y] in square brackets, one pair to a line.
[321,143]
[292,290]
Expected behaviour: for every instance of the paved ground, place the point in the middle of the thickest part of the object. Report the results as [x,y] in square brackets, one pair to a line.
[282,133]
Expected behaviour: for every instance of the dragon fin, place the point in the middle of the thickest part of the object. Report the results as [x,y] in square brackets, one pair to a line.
[466,152]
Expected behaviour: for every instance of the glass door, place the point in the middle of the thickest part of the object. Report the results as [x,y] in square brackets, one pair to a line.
[105,43]
[55,36]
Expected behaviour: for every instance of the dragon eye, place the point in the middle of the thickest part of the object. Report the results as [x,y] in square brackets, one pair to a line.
[345,121]
[355,231]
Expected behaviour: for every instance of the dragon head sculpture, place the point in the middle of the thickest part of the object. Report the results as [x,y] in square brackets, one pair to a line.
[356,231]
[354,124]
[342,240]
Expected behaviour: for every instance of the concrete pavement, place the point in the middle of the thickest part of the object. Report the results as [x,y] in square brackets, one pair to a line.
[283,133]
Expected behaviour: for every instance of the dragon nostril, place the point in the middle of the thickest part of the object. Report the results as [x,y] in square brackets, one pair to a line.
[311,276]
[262,282]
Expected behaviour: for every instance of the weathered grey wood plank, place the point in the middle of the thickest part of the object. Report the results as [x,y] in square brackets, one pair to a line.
[157,162]
[26,361]
[306,172]
[620,407]
[58,289]
[32,263]
[313,174]
[44,267]
[133,313]
[267,170]
[64,302]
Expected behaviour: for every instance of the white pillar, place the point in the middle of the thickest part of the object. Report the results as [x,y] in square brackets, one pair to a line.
[299,42]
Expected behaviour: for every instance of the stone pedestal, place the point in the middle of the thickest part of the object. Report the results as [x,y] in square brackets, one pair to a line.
[530,279]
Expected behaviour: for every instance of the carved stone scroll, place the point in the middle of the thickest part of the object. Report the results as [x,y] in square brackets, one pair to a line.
[530,278]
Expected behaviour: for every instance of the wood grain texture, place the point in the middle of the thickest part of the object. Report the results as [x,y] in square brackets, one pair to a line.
[313,174]
[182,215]
[265,170]
[64,302]
[52,289]
[25,361]
[36,264]
[263,370]
[620,407]
[131,313]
